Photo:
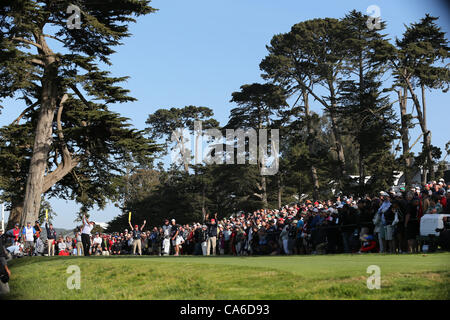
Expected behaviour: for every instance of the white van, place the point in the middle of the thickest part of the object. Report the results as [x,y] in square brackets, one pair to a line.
[430,222]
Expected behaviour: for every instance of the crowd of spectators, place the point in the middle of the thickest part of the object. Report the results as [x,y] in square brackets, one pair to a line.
[387,223]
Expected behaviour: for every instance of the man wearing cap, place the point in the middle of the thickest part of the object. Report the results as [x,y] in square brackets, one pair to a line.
[212,235]
[97,245]
[173,235]
[16,232]
[226,238]
[28,235]
[166,233]
[51,238]
[137,237]
[203,239]
[199,237]
[38,229]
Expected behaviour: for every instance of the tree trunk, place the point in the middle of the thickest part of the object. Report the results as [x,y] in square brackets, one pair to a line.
[427,138]
[203,202]
[262,162]
[337,135]
[280,191]
[338,145]
[14,215]
[310,140]
[362,173]
[38,163]
[264,191]
[43,136]
[404,132]
[423,125]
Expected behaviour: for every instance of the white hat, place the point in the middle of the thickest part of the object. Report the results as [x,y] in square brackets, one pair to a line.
[384,194]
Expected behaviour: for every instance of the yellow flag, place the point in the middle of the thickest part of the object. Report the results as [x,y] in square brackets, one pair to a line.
[46,214]
[129,216]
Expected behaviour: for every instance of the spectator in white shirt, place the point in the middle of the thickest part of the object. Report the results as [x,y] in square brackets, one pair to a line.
[97,244]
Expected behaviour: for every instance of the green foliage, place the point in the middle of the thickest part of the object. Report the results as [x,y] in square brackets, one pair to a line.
[15,151]
[258,103]
[96,139]
[45,206]
[422,50]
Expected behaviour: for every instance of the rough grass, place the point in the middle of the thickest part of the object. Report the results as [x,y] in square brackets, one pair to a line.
[233,278]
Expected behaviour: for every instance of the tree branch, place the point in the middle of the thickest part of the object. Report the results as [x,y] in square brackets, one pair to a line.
[78,93]
[65,152]
[68,162]
[60,172]
[310,91]
[37,61]
[52,37]
[23,113]
[28,42]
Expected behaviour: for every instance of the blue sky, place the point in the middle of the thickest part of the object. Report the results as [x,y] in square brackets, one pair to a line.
[198,52]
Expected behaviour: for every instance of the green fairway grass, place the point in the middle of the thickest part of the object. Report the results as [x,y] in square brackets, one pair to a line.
[275,277]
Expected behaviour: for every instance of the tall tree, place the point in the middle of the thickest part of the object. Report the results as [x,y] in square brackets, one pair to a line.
[173,124]
[405,125]
[319,45]
[169,123]
[418,63]
[257,104]
[369,113]
[48,81]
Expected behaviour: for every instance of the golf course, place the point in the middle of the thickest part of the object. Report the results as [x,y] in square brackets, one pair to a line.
[407,276]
